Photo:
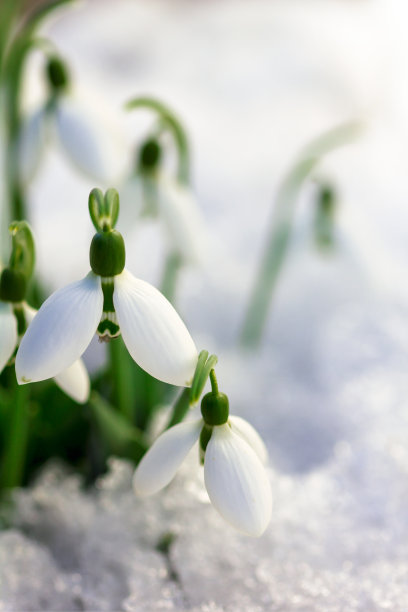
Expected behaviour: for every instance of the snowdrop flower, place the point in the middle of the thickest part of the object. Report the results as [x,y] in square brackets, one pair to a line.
[109,301]
[154,193]
[233,455]
[74,381]
[63,119]
[16,314]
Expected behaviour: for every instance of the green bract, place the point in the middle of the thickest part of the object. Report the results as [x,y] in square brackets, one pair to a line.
[104,209]
[215,408]
[107,253]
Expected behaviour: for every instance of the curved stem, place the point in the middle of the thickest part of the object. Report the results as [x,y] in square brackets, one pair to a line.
[12,466]
[174,125]
[280,228]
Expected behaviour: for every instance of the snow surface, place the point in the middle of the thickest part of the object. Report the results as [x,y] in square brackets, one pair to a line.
[328,389]
[331,404]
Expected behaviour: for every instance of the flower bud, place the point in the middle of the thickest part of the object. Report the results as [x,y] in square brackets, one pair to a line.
[107,253]
[215,408]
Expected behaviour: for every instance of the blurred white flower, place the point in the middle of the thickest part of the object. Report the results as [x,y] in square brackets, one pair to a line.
[78,135]
[235,478]
[81,124]
[74,381]
[175,207]
[153,332]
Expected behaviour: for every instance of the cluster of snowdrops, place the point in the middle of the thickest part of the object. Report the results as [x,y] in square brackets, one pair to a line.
[110,301]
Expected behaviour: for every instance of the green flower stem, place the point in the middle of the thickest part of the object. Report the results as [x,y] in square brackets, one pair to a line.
[120,437]
[171,121]
[12,466]
[180,408]
[150,395]
[9,10]
[280,229]
[11,76]
[172,267]
[121,365]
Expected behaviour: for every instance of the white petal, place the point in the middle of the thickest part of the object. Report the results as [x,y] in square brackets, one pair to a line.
[8,333]
[60,331]
[31,144]
[161,462]
[183,220]
[237,482]
[250,435]
[153,332]
[80,141]
[74,381]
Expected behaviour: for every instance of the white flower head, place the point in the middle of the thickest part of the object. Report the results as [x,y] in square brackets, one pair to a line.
[110,301]
[176,209]
[153,192]
[74,381]
[233,454]
[16,314]
[75,123]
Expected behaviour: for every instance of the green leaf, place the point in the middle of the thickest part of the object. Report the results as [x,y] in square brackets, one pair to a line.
[41,12]
[121,438]
[180,408]
[277,241]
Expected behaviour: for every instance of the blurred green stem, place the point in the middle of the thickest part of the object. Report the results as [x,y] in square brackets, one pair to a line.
[174,125]
[280,229]
[123,385]
[180,408]
[171,271]
[12,468]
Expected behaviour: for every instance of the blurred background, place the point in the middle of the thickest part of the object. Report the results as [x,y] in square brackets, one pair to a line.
[253,84]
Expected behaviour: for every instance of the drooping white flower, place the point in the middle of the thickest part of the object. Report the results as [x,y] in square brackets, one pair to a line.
[81,141]
[176,209]
[78,121]
[235,478]
[85,146]
[74,381]
[153,332]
